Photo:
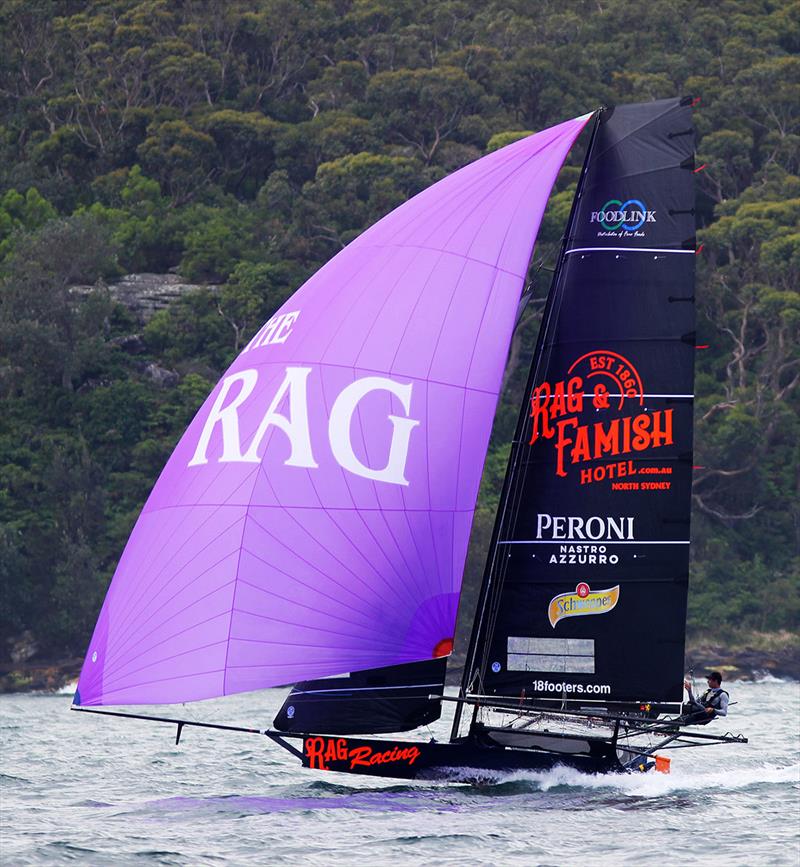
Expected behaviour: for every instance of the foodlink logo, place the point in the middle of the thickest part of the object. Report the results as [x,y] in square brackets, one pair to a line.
[336,754]
[581,603]
[616,214]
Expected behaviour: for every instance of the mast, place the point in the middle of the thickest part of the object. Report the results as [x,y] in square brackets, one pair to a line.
[506,497]
[584,595]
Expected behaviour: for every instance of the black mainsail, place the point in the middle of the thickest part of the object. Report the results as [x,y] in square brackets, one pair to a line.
[584,596]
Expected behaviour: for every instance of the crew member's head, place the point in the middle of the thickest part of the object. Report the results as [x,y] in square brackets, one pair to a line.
[714,679]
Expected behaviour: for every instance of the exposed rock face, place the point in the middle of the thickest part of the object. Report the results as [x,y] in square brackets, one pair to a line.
[23,647]
[146,294]
[161,376]
[744,662]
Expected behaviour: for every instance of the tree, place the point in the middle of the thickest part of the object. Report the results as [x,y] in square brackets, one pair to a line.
[180,157]
[20,213]
[350,193]
[423,107]
[43,326]
[246,143]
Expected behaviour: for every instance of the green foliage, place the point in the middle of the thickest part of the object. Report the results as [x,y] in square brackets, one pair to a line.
[501,139]
[422,107]
[215,240]
[352,192]
[180,157]
[244,143]
[20,213]
[143,228]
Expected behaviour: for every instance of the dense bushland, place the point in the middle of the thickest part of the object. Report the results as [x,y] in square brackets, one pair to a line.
[243,143]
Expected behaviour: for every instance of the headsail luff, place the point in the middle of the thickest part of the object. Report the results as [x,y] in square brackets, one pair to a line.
[585,593]
[314,517]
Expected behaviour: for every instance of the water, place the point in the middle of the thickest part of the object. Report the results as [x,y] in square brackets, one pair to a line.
[79,788]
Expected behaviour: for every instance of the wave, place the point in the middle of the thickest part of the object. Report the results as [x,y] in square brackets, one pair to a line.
[652,784]
[68,688]
[760,676]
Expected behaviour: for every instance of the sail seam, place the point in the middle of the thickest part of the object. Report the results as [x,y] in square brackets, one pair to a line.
[233,600]
[628,250]
[347,482]
[288,511]
[133,611]
[112,657]
[506,167]
[457,255]
[361,369]
[269,592]
[127,624]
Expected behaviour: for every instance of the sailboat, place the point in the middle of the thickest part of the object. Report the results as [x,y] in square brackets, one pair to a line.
[311,526]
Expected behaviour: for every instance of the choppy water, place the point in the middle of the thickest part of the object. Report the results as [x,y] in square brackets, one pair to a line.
[101,791]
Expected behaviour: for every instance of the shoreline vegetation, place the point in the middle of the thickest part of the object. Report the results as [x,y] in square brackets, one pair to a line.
[751,657]
[171,172]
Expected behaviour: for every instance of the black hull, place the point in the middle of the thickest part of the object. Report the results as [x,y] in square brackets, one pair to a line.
[470,759]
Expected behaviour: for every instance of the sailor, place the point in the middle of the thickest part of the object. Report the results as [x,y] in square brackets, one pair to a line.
[711,704]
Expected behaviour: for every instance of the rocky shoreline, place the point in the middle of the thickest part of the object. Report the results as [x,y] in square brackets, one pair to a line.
[776,656]
[745,662]
[45,676]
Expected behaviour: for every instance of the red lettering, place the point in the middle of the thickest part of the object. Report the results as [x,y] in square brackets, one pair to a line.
[330,751]
[609,471]
[575,395]
[364,756]
[412,754]
[556,409]
[606,442]
[641,425]
[601,362]
[581,451]
[659,437]
[562,442]
[314,751]
[539,401]
[559,406]
[360,756]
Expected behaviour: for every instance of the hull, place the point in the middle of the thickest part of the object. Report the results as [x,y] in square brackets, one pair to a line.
[470,759]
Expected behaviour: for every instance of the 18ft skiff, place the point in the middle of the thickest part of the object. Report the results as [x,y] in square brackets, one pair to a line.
[311,527]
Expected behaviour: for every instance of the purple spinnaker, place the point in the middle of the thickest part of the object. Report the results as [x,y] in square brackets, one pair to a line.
[315,516]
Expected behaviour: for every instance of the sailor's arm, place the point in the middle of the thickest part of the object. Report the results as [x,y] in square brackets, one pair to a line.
[722,710]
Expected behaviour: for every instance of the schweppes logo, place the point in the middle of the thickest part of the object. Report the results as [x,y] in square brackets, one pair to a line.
[582,602]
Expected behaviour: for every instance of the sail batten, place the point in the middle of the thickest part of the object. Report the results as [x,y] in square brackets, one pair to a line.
[315,516]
